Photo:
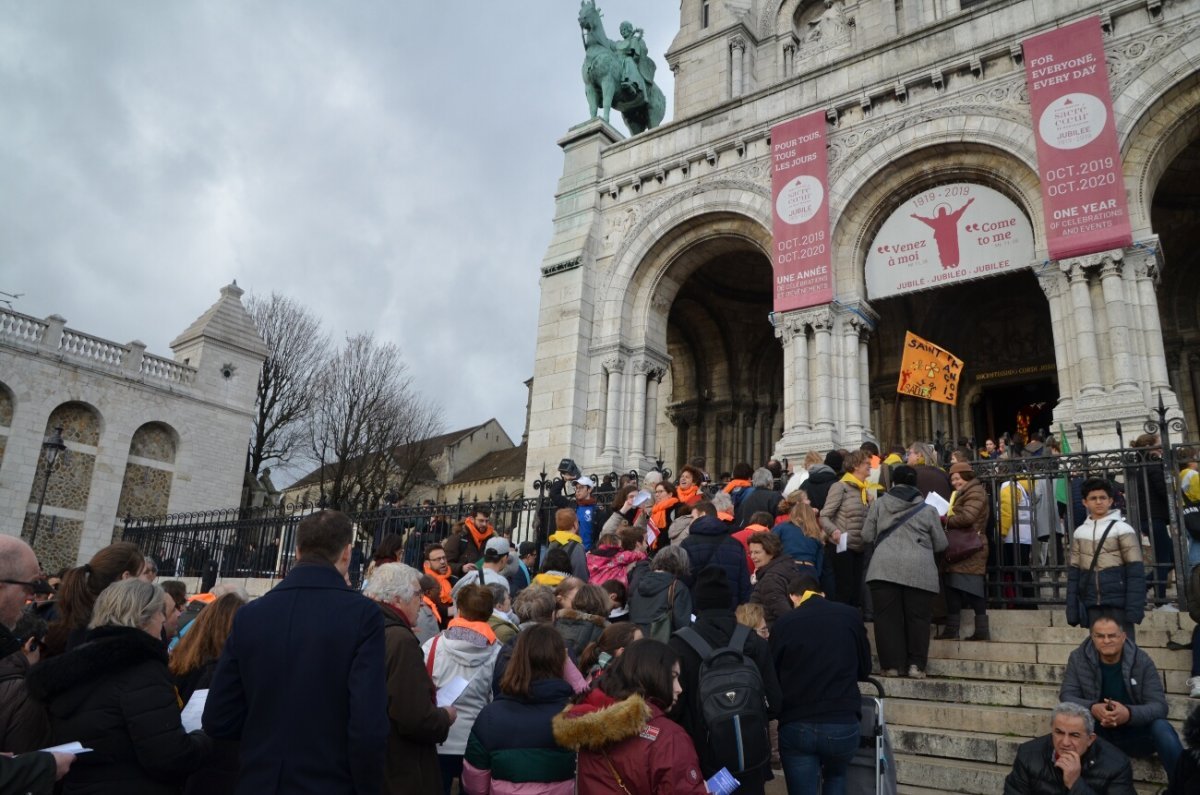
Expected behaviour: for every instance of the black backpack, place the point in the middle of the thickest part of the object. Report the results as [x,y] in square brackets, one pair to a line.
[732,704]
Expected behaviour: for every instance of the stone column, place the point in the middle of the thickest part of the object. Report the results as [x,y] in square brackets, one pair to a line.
[612,424]
[1118,324]
[655,378]
[864,382]
[1054,284]
[737,57]
[823,328]
[1085,331]
[785,335]
[802,418]
[638,430]
[789,59]
[852,328]
[1144,271]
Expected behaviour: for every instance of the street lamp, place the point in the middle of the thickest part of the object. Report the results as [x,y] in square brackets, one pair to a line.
[53,447]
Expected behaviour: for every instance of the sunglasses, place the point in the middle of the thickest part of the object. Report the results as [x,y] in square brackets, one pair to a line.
[33,587]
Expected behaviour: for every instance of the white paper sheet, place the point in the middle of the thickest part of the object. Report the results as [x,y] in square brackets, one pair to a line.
[68,748]
[843,540]
[194,711]
[448,693]
[937,501]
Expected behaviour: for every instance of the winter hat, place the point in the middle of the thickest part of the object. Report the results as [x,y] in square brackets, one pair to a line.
[904,475]
[960,467]
[833,460]
[711,589]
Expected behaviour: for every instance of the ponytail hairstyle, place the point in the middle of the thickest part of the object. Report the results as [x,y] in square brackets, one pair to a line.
[614,638]
[82,585]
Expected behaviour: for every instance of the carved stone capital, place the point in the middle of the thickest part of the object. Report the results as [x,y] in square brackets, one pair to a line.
[614,364]
[656,373]
[737,44]
[1052,281]
[1111,266]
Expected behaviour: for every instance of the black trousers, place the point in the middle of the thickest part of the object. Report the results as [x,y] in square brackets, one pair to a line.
[903,616]
[848,575]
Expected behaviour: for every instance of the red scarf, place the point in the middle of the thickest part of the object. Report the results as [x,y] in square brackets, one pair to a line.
[480,539]
[443,582]
[481,627]
[688,494]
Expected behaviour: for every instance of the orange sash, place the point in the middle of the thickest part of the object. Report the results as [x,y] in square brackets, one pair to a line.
[481,627]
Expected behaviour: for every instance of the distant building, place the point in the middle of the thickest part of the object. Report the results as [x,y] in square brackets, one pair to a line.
[144,434]
[434,468]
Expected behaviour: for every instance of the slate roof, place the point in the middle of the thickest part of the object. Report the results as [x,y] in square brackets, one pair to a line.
[500,465]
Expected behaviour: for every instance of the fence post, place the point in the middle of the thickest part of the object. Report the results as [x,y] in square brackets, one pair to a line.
[1163,427]
[541,484]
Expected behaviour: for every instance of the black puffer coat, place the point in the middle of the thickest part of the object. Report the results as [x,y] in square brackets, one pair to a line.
[114,694]
[1104,769]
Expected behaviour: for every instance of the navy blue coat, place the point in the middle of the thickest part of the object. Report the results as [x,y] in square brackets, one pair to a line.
[302,684]
[709,543]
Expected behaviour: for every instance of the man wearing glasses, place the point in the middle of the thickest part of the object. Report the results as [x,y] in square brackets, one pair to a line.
[1119,684]
[20,579]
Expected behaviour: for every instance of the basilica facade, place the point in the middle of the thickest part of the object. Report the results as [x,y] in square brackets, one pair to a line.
[657,338]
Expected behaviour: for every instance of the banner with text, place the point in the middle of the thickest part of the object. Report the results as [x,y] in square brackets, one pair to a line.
[799,178]
[928,371]
[946,235]
[1083,191]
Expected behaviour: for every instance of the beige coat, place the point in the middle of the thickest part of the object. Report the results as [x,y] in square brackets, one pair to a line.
[844,510]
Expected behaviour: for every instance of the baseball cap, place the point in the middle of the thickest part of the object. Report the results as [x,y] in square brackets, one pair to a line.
[586,481]
[496,548]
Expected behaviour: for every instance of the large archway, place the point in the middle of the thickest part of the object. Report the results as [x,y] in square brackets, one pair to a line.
[726,374]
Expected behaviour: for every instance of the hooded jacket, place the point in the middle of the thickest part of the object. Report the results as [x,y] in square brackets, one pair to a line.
[905,555]
[820,479]
[578,629]
[628,746]
[710,544]
[1082,682]
[650,598]
[512,750]
[459,651]
[612,563]
[1119,578]
[1104,770]
[113,693]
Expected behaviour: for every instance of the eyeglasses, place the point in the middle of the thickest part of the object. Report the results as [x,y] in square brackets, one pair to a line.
[442,559]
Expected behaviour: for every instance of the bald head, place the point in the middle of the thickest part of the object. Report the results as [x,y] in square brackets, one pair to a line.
[17,562]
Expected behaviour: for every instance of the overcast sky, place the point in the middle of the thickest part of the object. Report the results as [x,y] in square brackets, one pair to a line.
[390,164]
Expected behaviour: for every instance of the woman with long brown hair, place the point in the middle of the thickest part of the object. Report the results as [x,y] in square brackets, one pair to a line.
[195,658]
[511,747]
[80,588]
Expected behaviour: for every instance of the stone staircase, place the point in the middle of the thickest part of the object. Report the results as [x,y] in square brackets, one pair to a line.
[958,730]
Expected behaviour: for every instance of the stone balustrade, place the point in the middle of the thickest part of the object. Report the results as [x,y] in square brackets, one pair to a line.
[22,327]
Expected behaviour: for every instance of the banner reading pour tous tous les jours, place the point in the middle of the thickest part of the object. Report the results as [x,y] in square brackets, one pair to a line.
[799,178]
[1083,192]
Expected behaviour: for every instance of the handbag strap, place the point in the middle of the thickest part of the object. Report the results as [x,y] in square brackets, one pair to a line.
[432,651]
[904,517]
[1100,546]
[616,775]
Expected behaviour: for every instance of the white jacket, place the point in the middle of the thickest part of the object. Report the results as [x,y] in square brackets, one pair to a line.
[456,656]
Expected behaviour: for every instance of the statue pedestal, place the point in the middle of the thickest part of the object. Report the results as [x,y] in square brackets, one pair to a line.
[589,128]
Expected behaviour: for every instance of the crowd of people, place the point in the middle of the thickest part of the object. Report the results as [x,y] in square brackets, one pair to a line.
[588,663]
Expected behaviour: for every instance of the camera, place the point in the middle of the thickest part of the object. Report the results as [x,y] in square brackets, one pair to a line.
[568,468]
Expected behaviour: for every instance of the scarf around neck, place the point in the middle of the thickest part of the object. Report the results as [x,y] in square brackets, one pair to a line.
[688,494]
[858,484]
[443,581]
[481,627]
[479,538]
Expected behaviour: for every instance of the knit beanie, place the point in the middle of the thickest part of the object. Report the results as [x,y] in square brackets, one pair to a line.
[711,589]
[833,460]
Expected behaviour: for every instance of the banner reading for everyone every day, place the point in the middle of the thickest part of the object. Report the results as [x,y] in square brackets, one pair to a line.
[1083,191]
[803,262]
[929,371]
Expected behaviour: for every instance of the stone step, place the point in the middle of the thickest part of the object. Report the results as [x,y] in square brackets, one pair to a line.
[1002,694]
[993,670]
[1050,653]
[999,749]
[963,777]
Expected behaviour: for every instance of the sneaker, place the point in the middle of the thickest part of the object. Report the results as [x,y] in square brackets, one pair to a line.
[915,673]
[1194,684]
[1167,608]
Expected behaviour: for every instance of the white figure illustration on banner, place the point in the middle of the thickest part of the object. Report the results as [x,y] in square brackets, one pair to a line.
[945,232]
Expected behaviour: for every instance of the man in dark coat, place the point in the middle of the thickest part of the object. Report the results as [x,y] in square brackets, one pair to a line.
[709,542]
[301,681]
[1071,758]
[417,723]
[761,496]
[715,622]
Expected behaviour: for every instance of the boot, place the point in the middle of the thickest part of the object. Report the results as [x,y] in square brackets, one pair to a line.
[981,629]
[949,630]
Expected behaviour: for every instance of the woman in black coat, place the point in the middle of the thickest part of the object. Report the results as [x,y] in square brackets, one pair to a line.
[114,694]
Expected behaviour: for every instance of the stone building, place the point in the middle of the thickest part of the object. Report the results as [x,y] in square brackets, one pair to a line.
[656,334]
[144,434]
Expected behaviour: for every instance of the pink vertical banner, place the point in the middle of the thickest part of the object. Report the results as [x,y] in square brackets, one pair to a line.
[803,265]
[1083,190]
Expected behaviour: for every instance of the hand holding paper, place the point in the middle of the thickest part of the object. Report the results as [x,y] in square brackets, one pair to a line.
[448,693]
[937,501]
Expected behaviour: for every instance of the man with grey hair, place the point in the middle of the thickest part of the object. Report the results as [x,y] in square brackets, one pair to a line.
[761,496]
[417,724]
[1071,758]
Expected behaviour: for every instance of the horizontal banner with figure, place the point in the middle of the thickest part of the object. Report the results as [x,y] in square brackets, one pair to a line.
[803,260]
[1079,161]
[929,371]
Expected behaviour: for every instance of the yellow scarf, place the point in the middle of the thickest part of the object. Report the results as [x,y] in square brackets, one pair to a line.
[808,595]
[953,496]
[862,487]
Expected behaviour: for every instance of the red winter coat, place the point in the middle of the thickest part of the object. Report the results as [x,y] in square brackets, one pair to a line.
[650,753]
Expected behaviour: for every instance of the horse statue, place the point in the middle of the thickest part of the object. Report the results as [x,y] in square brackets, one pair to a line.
[619,74]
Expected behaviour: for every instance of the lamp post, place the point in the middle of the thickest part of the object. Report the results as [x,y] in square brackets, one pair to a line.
[53,447]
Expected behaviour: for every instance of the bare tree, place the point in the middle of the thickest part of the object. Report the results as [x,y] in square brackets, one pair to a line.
[365,408]
[299,349]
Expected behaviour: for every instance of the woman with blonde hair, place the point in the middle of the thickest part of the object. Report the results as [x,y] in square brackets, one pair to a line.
[804,542]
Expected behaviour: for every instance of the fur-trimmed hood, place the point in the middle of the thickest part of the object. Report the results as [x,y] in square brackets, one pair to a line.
[600,721]
[568,614]
[107,650]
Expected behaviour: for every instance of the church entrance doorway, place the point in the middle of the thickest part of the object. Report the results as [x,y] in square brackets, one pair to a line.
[726,373]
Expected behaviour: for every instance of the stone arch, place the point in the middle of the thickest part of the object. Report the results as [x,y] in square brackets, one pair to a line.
[8,405]
[778,17]
[149,473]
[867,202]
[69,485]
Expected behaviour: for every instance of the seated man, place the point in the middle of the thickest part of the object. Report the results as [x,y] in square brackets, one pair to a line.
[1071,752]
[1118,683]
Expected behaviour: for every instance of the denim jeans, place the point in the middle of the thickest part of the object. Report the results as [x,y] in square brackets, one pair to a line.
[816,752]
[1142,741]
